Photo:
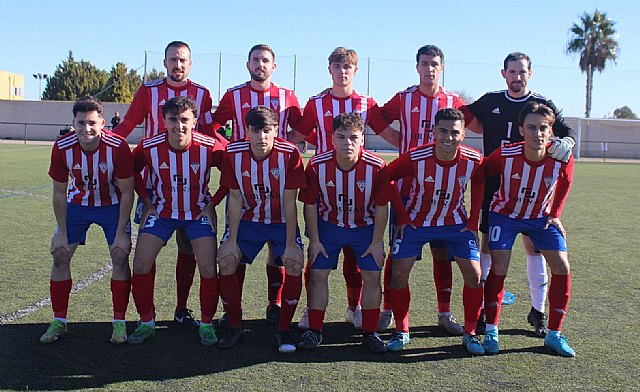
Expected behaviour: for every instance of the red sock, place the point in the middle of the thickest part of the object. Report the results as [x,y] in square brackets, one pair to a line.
[230,294]
[316,319]
[185,270]
[559,295]
[443,278]
[142,289]
[370,320]
[275,277]
[291,291]
[400,299]
[472,303]
[208,298]
[60,291]
[120,290]
[307,275]
[386,278]
[352,277]
[241,271]
[153,281]
[493,294]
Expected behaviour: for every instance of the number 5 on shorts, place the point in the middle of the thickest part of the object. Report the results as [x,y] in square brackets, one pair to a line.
[396,246]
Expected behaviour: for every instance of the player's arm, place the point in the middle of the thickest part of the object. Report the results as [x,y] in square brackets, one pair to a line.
[471,122]
[305,125]
[560,197]
[122,240]
[382,127]
[561,148]
[135,114]
[224,111]
[234,213]
[381,193]
[309,196]
[59,240]
[477,194]
[292,249]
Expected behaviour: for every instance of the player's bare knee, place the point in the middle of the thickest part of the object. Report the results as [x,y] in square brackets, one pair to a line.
[227,265]
[61,260]
[207,271]
[558,262]
[120,260]
[293,267]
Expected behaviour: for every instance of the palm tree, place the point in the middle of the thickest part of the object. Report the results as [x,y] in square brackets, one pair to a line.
[595,39]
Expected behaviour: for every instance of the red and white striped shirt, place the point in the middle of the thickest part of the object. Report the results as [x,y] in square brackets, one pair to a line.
[237,101]
[322,108]
[151,97]
[263,182]
[527,187]
[347,198]
[438,196]
[179,178]
[92,174]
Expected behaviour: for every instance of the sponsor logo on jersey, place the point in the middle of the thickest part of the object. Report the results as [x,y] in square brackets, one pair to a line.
[246,174]
[361,185]
[328,114]
[429,179]
[77,166]
[103,166]
[164,165]
[548,181]
[415,110]
[275,103]
[330,183]
[496,111]
[275,172]
[462,180]
[516,176]
[162,102]
[195,167]
[246,106]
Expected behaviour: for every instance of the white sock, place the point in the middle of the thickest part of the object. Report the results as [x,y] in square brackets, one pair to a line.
[485,267]
[492,327]
[538,279]
[64,320]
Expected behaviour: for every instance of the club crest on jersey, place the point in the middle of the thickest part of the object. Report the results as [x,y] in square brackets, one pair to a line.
[516,176]
[162,102]
[330,183]
[103,166]
[246,174]
[548,181]
[246,106]
[361,185]
[429,179]
[77,166]
[328,113]
[275,104]
[462,180]
[195,167]
[275,172]
[164,165]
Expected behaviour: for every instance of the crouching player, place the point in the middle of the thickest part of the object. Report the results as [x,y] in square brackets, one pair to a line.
[100,166]
[263,174]
[346,206]
[179,162]
[533,190]
[436,212]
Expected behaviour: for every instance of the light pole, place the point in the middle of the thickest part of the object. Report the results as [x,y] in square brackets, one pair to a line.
[39,77]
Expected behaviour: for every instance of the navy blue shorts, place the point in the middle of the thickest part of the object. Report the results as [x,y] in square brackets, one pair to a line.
[503,231]
[253,235]
[460,244]
[137,214]
[334,238]
[79,218]
[163,228]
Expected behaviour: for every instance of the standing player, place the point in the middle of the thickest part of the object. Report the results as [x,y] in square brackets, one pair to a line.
[263,175]
[147,107]
[440,172]
[415,108]
[529,180]
[346,207]
[179,163]
[497,113]
[235,105]
[319,113]
[100,166]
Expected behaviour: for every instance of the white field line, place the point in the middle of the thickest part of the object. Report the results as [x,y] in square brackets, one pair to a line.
[12,193]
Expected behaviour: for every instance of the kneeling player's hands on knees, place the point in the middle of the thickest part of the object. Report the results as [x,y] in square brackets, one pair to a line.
[149,216]
[316,248]
[293,252]
[122,242]
[59,242]
[376,250]
[209,212]
[229,248]
[556,222]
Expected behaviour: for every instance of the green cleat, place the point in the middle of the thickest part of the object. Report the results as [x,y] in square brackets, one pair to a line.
[142,333]
[119,334]
[207,334]
[56,330]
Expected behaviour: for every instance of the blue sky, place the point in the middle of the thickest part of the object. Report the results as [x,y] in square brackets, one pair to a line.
[474,35]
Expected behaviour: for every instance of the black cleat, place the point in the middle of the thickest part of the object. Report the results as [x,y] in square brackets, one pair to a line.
[373,342]
[311,339]
[273,313]
[231,338]
[538,321]
[481,327]
[185,318]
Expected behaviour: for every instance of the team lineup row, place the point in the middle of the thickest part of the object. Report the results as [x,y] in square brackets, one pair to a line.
[345,198]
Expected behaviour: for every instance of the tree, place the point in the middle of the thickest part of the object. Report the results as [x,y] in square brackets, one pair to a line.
[74,79]
[625,112]
[155,75]
[594,38]
[122,84]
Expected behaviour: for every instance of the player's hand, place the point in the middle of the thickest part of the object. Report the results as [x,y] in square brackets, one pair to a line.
[377,251]
[556,222]
[122,242]
[561,149]
[293,252]
[316,249]
[59,242]
[229,248]
[148,211]
[209,212]
[475,234]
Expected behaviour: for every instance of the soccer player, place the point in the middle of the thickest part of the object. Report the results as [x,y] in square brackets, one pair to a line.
[440,172]
[345,206]
[415,108]
[318,114]
[235,104]
[263,175]
[179,163]
[100,166]
[533,189]
[147,107]
[497,113]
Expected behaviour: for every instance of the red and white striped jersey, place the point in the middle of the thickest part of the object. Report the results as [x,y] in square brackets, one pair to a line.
[149,99]
[322,108]
[347,198]
[92,174]
[237,101]
[179,178]
[527,187]
[438,196]
[263,182]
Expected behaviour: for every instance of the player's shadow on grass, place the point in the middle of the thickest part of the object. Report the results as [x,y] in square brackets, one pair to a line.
[85,358]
